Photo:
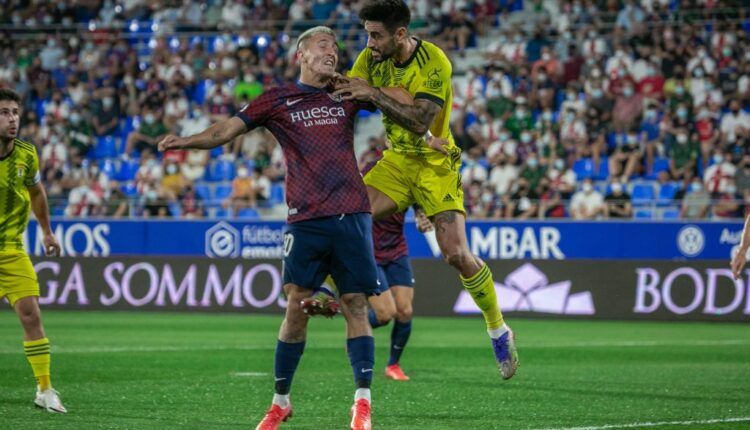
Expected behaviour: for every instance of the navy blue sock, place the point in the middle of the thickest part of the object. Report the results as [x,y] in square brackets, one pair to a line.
[399,337]
[374,323]
[285,364]
[362,357]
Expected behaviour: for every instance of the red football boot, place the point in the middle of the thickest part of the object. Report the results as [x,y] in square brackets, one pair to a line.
[274,417]
[394,372]
[361,415]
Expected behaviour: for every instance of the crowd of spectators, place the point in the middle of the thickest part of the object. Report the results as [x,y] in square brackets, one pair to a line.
[583,109]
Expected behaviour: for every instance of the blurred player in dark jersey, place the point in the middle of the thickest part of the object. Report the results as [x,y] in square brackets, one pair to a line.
[396,285]
[330,227]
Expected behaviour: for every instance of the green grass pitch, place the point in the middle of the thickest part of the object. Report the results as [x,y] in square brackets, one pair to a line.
[200,371]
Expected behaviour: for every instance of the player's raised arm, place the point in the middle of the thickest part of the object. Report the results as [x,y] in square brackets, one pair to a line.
[216,135]
[739,259]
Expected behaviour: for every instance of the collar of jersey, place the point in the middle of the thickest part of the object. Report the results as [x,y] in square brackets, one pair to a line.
[10,152]
[311,88]
[413,55]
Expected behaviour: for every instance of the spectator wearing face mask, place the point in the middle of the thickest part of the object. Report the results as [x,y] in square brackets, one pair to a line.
[628,107]
[173,181]
[726,204]
[683,154]
[106,116]
[244,191]
[625,159]
[523,204]
[151,131]
[562,178]
[735,124]
[520,120]
[718,176]
[550,201]
[617,203]
[697,201]
[587,203]
[707,133]
[80,133]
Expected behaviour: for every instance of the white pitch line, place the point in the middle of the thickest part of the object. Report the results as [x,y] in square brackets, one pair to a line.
[582,345]
[249,374]
[656,424]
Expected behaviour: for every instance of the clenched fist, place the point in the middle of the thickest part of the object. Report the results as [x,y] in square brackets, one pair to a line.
[172,142]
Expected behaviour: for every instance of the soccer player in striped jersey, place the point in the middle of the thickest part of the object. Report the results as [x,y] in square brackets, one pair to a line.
[20,189]
[415,169]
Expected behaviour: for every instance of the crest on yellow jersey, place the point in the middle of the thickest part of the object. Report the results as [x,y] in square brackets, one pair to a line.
[21,170]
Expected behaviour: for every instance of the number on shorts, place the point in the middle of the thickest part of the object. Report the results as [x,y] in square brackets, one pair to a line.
[288,243]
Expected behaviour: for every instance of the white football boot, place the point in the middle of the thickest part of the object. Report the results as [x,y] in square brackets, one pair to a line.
[49,400]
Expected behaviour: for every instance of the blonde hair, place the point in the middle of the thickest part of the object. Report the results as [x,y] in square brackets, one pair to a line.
[312,32]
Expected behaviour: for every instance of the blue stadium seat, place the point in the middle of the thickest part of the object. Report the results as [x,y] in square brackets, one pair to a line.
[643,194]
[175,209]
[671,213]
[106,147]
[248,213]
[660,165]
[643,214]
[583,168]
[129,189]
[222,213]
[203,191]
[222,191]
[666,193]
[127,170]
[221,170]
[603,171]
[109,167]
[277,193]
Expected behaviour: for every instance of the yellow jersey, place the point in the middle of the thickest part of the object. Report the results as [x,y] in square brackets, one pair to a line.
[425,75]
[18,170]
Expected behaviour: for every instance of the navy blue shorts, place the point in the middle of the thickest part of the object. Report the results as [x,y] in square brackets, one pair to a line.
[395,273]
[339,245]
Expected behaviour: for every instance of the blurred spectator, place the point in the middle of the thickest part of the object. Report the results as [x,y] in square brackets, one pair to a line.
[80,133]
[726,203]
[106,115]
[191,203]
[735,124]
[115,202]
[617,203]
[562,178]
[628,107]
[697,201]
[244,191]
[742,176]
[503,175]
[82,201]
[718,176]
[587,203]
[524,202]
[625,159]
[683,155]
[151,131]
[550,200]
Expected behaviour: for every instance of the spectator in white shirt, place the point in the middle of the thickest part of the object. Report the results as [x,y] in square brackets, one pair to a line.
[720,173]
[734,124]
[587,203]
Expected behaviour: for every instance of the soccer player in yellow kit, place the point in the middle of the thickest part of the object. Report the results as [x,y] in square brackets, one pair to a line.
[418,168]
[21,187]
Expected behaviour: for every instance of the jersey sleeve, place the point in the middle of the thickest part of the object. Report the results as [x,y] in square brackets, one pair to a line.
[436,80]
[33,176]
[257,112]
[361,67]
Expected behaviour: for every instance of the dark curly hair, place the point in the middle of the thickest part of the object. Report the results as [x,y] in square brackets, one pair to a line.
[394,14]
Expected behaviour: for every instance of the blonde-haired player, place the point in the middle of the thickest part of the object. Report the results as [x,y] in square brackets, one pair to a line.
[22,187]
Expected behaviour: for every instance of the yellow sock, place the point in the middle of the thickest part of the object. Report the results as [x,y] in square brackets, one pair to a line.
[482,290]
[38,354]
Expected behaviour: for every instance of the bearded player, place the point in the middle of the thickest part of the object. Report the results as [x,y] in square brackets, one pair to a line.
[415,169]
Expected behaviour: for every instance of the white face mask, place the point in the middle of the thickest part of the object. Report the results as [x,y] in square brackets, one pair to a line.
[242,173]
[587,188]
[171,169]
[559,164]
[149,118]
[616,187]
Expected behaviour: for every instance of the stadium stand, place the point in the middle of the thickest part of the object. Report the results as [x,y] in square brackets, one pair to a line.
[650,93]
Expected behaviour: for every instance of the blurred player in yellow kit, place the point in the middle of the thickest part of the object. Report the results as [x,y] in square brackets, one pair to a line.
[417,168]
[21,188]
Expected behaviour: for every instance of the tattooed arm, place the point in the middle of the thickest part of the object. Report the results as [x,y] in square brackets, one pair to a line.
[416,118]
[216,135]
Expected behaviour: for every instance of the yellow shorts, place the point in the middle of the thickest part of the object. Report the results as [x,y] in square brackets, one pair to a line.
[433,181]
[17,277]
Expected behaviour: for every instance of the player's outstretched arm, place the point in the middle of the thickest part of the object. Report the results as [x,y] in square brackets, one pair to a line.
[41,211]
[738,261]
[216,135]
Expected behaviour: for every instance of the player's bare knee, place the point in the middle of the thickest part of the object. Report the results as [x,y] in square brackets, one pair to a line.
[355,304]
[405,314]
[30,319]
[458,258]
